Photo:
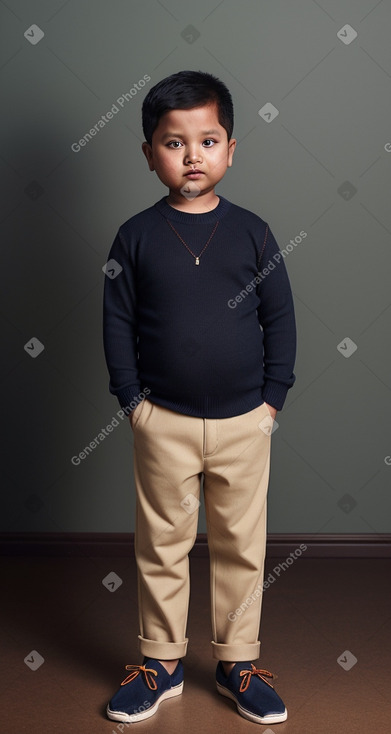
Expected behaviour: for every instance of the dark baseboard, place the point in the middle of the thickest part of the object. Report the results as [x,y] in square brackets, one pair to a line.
[279,545]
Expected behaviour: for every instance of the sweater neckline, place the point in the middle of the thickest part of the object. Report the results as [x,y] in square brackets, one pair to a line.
[169,212]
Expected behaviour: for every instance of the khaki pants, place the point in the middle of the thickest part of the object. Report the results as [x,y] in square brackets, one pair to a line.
[171,452]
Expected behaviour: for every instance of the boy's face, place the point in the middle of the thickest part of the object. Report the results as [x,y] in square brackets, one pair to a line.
[186,140]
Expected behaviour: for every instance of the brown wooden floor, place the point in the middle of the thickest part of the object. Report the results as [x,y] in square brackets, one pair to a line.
[312,614]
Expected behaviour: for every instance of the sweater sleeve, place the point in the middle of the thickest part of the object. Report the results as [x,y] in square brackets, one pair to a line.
[277,319]
[120,325]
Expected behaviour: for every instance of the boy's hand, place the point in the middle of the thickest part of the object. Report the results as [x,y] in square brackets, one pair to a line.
[272,411]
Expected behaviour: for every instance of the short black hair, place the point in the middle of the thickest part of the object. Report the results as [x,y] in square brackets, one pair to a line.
[183,91]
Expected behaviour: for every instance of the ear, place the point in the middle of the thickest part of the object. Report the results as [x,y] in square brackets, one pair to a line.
[147,150]
[231,148]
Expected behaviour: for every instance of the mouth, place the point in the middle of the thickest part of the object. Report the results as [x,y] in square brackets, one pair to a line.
[194,173]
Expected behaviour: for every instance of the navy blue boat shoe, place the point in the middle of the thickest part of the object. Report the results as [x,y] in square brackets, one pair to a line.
[254,696]
[143,690]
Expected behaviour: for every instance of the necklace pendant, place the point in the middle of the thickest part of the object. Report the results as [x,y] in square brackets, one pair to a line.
[197,261]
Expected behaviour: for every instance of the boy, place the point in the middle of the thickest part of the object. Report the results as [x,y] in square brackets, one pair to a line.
[200,320]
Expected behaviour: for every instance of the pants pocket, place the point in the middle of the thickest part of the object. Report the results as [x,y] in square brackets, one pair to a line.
[135,415]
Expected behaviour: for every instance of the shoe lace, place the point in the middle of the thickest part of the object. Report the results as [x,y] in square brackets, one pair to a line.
[137,670]
[248,674]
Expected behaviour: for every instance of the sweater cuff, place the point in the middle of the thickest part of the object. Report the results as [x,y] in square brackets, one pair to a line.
[275,393]
[128,397]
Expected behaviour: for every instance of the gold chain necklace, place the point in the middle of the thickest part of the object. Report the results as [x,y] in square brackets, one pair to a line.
[196,257]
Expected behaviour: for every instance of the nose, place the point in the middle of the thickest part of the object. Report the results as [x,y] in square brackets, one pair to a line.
[193,155]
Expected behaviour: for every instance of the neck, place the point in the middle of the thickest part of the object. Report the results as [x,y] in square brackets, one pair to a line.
[194,206]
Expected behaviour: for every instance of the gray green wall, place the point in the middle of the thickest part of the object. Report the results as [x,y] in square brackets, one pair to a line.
[321,166]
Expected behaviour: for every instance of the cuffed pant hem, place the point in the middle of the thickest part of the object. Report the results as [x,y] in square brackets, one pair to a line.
[236,653]
[162,650]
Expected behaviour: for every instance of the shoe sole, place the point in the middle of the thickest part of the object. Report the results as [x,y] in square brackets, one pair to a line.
[132,718]
[268,719]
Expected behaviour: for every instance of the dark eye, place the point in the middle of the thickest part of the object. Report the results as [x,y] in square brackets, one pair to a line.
[209,140]
[174,143]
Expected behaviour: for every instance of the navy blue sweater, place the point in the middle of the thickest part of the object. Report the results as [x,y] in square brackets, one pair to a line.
[213,340]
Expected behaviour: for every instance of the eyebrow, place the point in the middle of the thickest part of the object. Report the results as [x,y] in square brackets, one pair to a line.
[179,135]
